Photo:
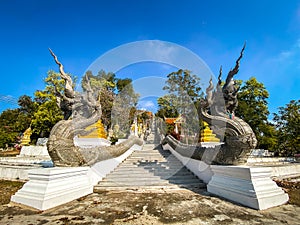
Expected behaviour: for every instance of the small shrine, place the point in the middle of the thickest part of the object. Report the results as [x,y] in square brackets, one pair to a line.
[98,131]
[26,137]
[207,134]
[176,122]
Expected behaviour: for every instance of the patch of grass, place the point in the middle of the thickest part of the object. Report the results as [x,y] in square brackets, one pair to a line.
[294,195]
[10,153]
[7,189]
[293,190]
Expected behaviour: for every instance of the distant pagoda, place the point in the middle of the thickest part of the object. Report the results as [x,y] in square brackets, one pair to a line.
[98,131]
[207,134]
[26,137]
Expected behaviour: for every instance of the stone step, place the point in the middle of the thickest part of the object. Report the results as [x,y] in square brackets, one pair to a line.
[151,183]
[149,155]
[132,184]
[137,158]
[151,161]
[149,168]
[98,189]
[161,175]
[146,182]
[149,176]
[147,173]
[152,164]
[154,188]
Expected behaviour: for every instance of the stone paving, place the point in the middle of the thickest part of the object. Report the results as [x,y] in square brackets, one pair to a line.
[156,207]
[163,204]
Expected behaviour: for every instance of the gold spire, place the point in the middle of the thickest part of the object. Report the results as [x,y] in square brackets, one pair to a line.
[207,134]
[99,132]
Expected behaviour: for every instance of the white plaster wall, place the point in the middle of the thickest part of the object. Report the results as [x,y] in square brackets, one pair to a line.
[34,151]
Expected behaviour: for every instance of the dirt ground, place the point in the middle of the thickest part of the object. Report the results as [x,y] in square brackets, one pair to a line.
[9,153]
[138,207]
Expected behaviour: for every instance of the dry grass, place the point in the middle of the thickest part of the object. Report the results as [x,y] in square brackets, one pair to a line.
[7,189]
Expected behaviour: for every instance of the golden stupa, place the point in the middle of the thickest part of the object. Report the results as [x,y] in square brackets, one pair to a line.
[207,134]
[98,131]
[26,137]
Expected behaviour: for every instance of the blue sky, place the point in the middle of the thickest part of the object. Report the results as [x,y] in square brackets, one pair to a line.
[81,31]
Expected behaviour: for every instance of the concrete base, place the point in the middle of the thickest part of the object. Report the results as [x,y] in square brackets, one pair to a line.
[50,187]
[13,172]
[248,186]
[35,151]
[286,170]
[197,167]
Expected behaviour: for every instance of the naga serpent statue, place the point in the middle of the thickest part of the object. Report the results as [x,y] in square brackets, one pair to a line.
[80,111]
[217,109]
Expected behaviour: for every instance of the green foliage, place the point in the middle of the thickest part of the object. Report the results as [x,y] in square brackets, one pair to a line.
[101,81]
[184,87]
[184,93]
[109,87]
[253,108]
[53,83]
[122,83]
[124,103]
[9,129]
[288,125]
[14,122]
[27,105]
[47,112]
[268,136]
[166,107]
[47,115]
[7,137]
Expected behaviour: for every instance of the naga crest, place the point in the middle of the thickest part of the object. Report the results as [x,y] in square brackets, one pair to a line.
[217,109]
[80,111]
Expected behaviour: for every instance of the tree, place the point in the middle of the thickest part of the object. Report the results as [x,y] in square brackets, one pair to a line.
[166,107]
[124,103]
[9,131]
[122,83]
[109,87]
[117,98]
[104,84]
[184,92]
[287,122]
[14,122]
[47,112]
[182,84]
[253,108]
[27,105]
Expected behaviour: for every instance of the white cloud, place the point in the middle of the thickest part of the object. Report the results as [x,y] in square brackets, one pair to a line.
[163,51]
[147,105]
[298,43]
[8,99]
[285,54]
[290,56]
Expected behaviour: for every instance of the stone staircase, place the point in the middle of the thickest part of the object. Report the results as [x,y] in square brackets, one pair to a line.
[150,168]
